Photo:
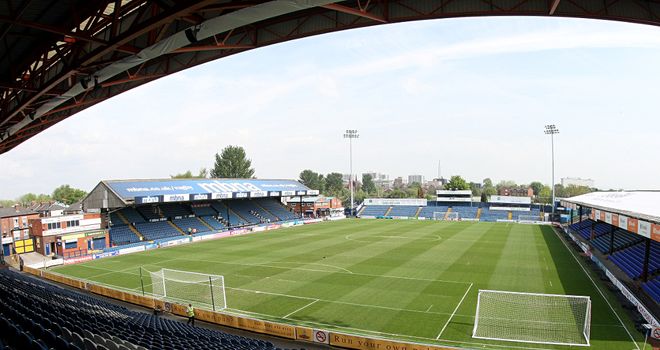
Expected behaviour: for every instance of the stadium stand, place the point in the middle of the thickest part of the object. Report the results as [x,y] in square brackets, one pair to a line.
[191,223]
[130,214]
[233,219]
[583,228]
[172,210]
[465,212]
[652,288]
[36,315]
[204,210]
[631,259]
[150,212]
[403,210]
[157,230]
[122,234]
[213,222]
[277,209]
[622,239]
[375,210]
[493,215]
[246,210]
[427,212]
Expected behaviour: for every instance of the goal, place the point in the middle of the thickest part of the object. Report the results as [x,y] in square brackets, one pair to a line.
[189,287]
[443,215]
[533,318]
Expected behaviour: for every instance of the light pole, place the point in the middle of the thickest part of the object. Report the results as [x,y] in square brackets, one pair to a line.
[551,130]
[350,135]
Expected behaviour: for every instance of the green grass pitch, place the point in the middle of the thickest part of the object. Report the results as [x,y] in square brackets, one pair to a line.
[407,280]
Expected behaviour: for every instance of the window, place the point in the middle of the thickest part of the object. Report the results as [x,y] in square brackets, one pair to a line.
[71,245]
[15,222]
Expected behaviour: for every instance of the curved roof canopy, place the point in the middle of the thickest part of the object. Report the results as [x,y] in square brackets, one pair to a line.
[58,57]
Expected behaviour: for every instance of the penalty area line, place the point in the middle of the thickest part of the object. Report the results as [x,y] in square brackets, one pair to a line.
[302,308]
[453,313]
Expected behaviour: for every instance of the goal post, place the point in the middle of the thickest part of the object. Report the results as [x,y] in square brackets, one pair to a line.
[189,287]
[533,318]
[444,215]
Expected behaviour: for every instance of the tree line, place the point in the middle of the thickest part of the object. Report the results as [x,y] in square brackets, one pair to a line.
[64,194]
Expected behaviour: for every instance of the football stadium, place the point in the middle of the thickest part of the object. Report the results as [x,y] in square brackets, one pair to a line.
[259,263]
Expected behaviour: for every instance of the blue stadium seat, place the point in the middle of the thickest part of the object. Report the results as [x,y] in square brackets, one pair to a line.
[28,305]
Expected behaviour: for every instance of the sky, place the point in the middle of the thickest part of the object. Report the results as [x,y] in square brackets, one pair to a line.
[472,93]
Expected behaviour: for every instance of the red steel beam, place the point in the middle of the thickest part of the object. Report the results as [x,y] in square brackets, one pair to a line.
[553,6]
[355,12]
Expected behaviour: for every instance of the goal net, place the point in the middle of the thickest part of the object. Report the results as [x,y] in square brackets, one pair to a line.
[533,318]
[189,287]
[443,215]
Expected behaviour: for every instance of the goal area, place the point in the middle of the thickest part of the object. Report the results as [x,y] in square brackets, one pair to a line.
[444,215]
[199,289]
[533,318]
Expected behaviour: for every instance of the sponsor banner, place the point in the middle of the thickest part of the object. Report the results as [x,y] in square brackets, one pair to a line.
[200,197]
[421,218]
[615,220]
[623,222]
[176,197]
[365,343]
[510,208]
[602,216]
[78,259]
[644,228]
[63,218]
[175,242]
[197,238]
[148,199]
[241,194]
[303,333]
[274,194]
[320,336]
[238,232]
[632,225]
[259,229]
[608,218]
[105,255]
[288,224]
[414,202]
[131,250]
[258,194]
[301,193]
[288,193]
[400,217]
[509,199]
[312,221]
[655,232]
[313,192]
[150,246]
[273,226]
[221,195]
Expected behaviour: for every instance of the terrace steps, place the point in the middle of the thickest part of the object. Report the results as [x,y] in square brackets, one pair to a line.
[388,211]
[256,203]
[478,213]
[176,227]
[205,224]
[419,210]
[447,213]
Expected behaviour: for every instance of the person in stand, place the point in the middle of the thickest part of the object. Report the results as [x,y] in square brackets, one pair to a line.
[190,311]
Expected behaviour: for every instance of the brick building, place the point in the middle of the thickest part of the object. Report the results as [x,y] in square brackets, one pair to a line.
[14,226]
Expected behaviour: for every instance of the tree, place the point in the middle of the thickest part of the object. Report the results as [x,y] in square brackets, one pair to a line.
[488,189]
[457,183]
[536,187]
[232,163]
[334,183]
[7,203]
[203,173]
[505,184]
[573,190]
[68,195]
[545,194]
[368,185]
[475,188]
[28,198]
[312,179]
